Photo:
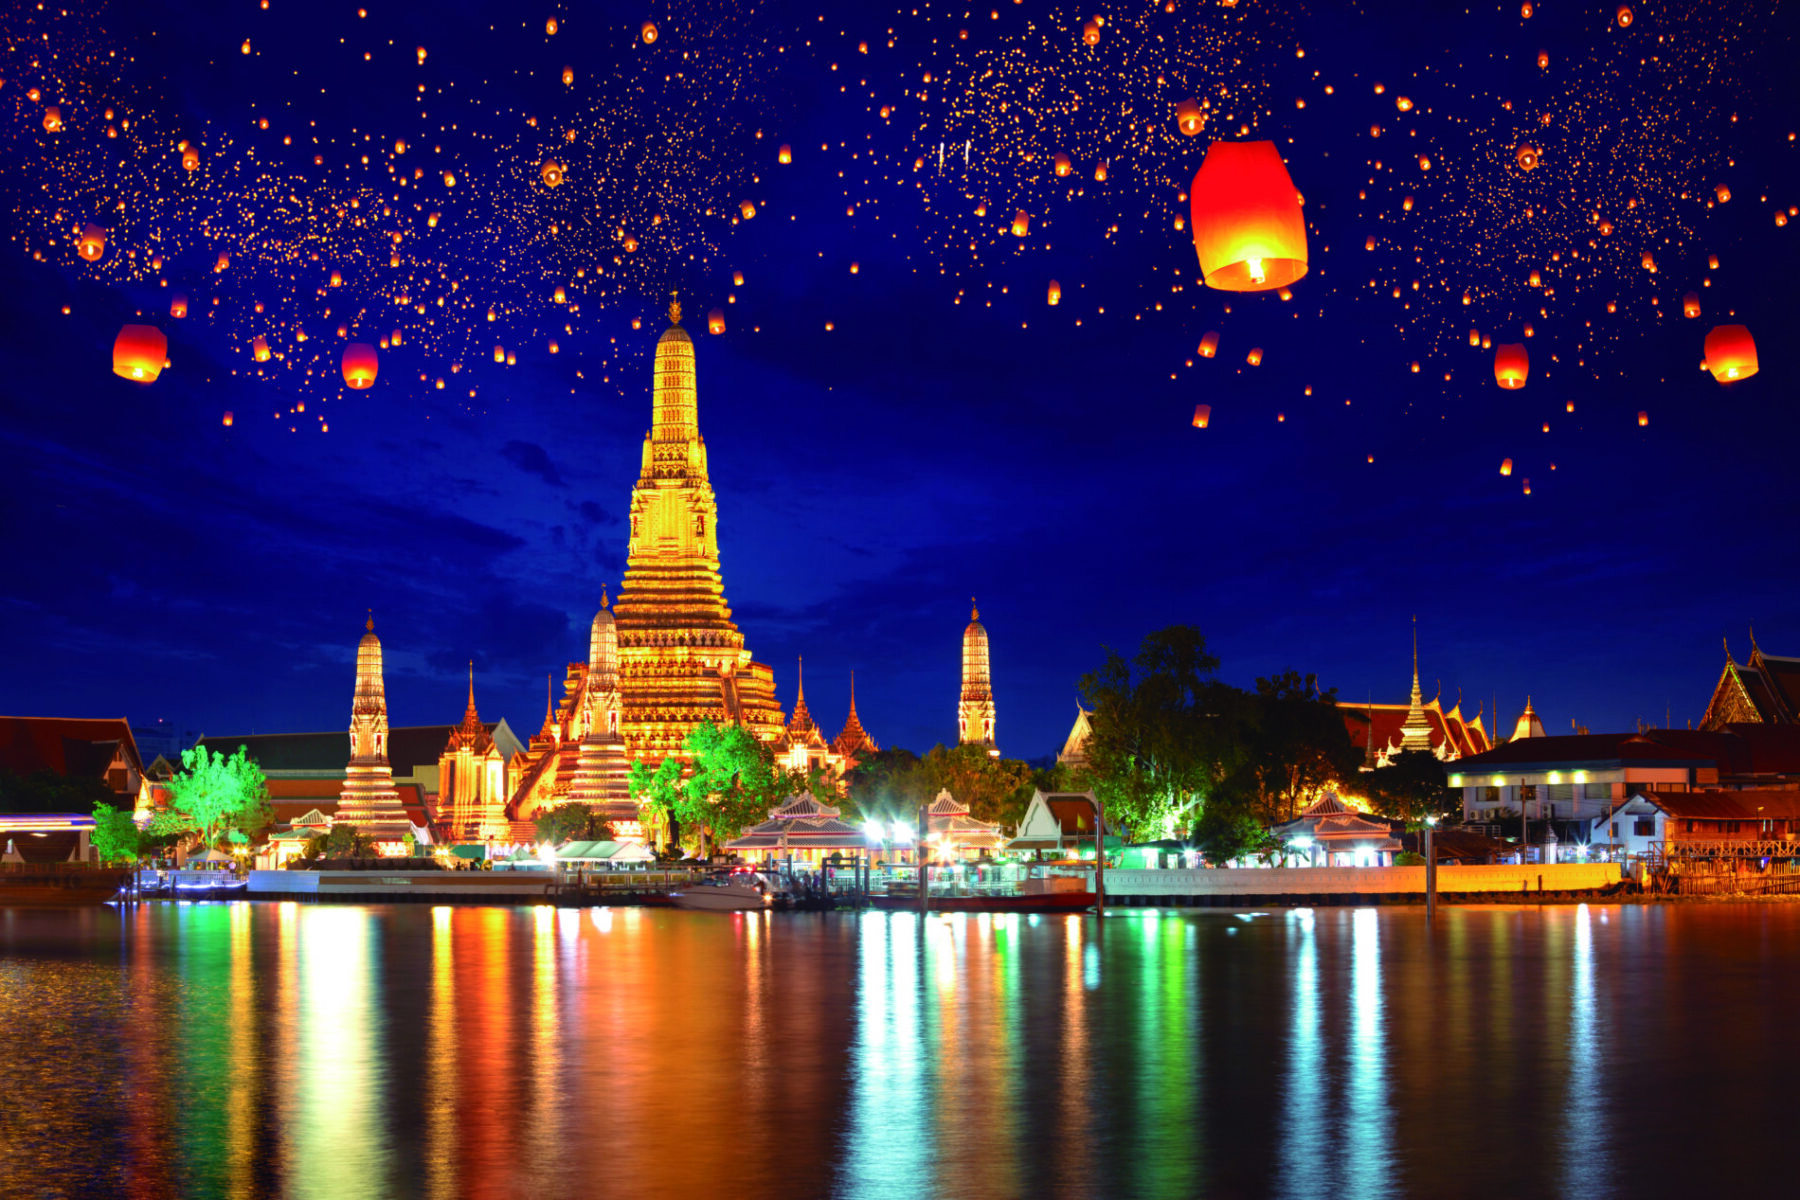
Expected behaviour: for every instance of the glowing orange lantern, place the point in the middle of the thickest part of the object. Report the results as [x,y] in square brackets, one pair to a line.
[449,178]
[1730,353]
[1722,192]
[1623,16]
[559,296]
[1543,61]
[92,243]
[568,76]
[630,244]
[1528,487]
[259,348]
[551,173]
[223,263]
[550,27]
[139,353]
[1690,305]
[1209,344]
[748,209]
[1100,171]
[190,159]
[1643,418]
[1511,365]
[1188,117]
[53,122]
[499,354]
[1021,223]
[1062,165]
[1254,358]
[1248,229]
[1506,466]
[715,321]
[648,32]
[785,155]
[178,305]
[737,278]
[228,418]
[421,53]
[637,322]
[1526,157]
[1090,32]
[1202,414]
[1712,262]
[360,365]
[1474,337]
[1055,293]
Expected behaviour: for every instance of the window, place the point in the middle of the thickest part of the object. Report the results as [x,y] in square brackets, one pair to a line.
[1528,793]
[1690,826]
[1646,827]
[1490,795]
[1615,829]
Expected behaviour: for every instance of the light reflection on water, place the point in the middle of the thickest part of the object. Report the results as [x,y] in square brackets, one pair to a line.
[261,1049]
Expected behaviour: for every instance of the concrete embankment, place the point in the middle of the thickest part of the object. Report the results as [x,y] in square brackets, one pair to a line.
[1354,885]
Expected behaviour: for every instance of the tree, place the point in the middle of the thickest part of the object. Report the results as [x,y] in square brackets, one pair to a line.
[1295,743]
[219,793]
[1411,788]
[47,791]
[572,822]
[340,841]
[993,789]
[887,785]
[115,836]
[1165,730]
[735,781]
[1228,829]
[657,792]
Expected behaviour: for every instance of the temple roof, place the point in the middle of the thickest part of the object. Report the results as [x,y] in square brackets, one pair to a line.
[854,740]
[72,746]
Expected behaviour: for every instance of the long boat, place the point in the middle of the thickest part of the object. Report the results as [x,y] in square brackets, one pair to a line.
[1015,902]
[58,885]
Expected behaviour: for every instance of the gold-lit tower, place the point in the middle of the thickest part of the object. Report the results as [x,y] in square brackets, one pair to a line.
[369,800]
[975,710]
[681,659]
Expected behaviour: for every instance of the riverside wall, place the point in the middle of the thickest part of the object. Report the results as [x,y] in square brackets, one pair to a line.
[1351,885]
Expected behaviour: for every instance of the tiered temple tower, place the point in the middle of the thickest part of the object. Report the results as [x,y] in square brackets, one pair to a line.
[681,659]
[601,772]
[1415,731]
[854,742]
[369,800]
[975,711]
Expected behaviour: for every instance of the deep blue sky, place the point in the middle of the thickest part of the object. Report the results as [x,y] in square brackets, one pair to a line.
[871,479]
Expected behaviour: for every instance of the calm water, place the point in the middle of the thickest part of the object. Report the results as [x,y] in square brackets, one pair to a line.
[267,1049]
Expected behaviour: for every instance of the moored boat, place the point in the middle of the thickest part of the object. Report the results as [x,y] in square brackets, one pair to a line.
[58,885]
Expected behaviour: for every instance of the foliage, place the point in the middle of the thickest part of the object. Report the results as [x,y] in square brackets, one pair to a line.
[1409,858]
[993,789]
[340,841]
[1228,829]
[1411,788]
[657,792]
[220,793]
[572,823]
[734,782]
[48,791]
[115,836]
[1294,744]
[1165,731]
[887,785]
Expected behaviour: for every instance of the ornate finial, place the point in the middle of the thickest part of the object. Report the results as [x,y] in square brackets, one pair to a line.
[603,600]
[674,308]
[974,613]
[371,625]
[800,675]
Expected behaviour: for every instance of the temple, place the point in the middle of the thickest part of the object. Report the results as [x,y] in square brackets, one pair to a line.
[1385,731]
[1763,691]
[472,779]
[369,800]
[975,709]
[854,742]
[681,659]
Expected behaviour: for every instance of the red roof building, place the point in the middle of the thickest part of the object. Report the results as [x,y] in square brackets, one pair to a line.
[93,748]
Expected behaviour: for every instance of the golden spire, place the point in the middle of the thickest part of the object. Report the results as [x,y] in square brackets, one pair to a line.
[603,600]
[674,308]
[974,612]
[370,627]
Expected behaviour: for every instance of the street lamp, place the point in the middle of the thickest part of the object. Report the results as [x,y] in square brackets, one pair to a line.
[1430,870]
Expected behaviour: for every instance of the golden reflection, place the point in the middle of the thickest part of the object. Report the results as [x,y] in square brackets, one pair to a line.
[442,1052]
[245,1049]
[544,1066]
[336,1132]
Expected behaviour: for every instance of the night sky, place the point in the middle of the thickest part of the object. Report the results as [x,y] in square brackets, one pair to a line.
[930,445]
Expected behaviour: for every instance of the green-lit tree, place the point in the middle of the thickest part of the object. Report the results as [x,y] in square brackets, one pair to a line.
[887,785]
[1165,731]
[657,791]
[219,793]
[572,822]
[993,789]
[115,837]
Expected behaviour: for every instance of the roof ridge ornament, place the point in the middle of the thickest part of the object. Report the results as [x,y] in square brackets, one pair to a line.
[674,307]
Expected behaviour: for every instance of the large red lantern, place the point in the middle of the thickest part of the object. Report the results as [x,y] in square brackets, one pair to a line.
[92,243]
[1511,365]
[1248,229]
[178,305]
[1202,415]
[360,365]
[139,353]
[1730,353]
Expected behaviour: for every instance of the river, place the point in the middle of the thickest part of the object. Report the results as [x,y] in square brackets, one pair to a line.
[250,1049]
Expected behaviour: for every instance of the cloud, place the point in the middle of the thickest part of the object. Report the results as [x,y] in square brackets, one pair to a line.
[530,458]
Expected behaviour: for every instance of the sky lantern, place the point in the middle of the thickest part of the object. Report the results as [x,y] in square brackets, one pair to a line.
[178,305]
[1649,261]
[1055,293]
[1690,305]
[190,159]
[748,208]
[1528,487]
[53,122]
[259,348]
[1511,365]
[222,264]
[1623,16]
[1021,223]
[1254,358]
[715,321]
[499,354]
[336,280]
[228,418]
[550,27]
[1100,171]
[630,244]
[1722,192]
[785,155]
[1643,418]
[92,243]
[1543,60]
[1474,337]
[1090,31]
[1712,262]
[737,279]
[1209,343]
[648,32]
[360,365]
[1506,466]
[1062,165]
[551,173]
[1730,353]
[568,76]
[1202,414]
[1188,117]
[1248,229]
[559,295]
[421,53]
[140,353]
[1526,157]
[449,178]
